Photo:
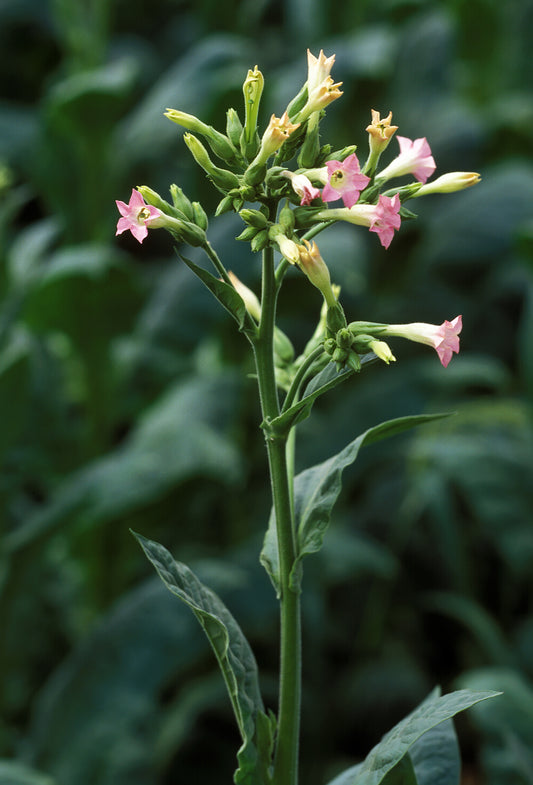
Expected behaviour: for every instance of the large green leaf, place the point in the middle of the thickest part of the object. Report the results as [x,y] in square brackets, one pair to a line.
[315,492]
[233,653]
[433,759]
[435,756]
[395,744]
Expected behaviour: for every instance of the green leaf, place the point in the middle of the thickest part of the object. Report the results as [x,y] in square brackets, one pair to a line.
[315,492]
[395,744]
[225,294]
[402,774]
[233,653]
[326,380]
[436,757]
[13,773]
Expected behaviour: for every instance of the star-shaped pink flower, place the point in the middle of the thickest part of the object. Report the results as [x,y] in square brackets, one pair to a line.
[386,218]
[345,181]
[382,218]
[414,158]
[136,215]
[444,338]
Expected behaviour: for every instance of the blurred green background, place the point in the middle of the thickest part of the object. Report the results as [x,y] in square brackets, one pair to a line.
[109,351]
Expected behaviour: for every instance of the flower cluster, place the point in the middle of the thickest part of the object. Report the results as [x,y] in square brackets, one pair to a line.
[290,205]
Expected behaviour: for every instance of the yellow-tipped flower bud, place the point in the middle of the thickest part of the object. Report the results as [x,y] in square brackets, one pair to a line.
[252,90]
[449,183]
[250,299]
[313,265]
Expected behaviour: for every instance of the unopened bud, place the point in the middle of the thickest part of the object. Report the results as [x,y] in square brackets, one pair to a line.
[219,144]
[222,178]
[449,183]
[252,90]
[250,299]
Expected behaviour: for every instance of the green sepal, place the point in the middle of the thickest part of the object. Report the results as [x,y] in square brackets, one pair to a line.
[234,656]
[227,296]
[233,127]
[247,234]
[259,241]
[407,214]
[200,216]
[225,205]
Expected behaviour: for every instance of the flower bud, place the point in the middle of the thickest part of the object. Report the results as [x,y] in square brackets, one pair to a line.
[260,240]
[313,265]
[181,202]
[335,318]
[252,90]
[311,147]
[254,218]
[288,248]
[448,183]
[219,144]
[249,298]
[233,127]
[286,218]
[222,178]
[283,348]
[200,216]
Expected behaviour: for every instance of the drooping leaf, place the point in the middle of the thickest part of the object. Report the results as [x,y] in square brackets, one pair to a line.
[435,756]
[225,294]
[402,774]
[233,653]
[395,744]
[316,490]
[326,380]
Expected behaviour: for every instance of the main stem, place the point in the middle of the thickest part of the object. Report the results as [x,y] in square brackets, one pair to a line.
[286,757]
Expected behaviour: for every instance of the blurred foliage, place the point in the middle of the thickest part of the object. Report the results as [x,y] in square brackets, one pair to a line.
[109,351]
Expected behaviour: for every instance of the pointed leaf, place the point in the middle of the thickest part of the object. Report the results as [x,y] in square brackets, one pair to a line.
[224,292]
[392,748]
[316,490]
[326,380]
[402,774]
[233,653]
[436,757]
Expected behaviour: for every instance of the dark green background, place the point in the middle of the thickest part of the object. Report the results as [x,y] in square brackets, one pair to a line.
[110,351]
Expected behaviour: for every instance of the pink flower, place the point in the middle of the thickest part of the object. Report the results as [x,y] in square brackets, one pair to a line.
[414,158]
[386,218]
[443,338]
[302,186]
[344,181]
[136,215]
[382,218]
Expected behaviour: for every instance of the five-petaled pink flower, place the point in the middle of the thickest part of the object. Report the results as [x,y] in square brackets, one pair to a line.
[444,338]
[136,216]
[414,158]
[382,218]
[386,218]
[345,181]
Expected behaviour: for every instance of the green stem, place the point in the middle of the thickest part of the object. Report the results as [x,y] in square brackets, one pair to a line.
[286,756]
[303,371]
